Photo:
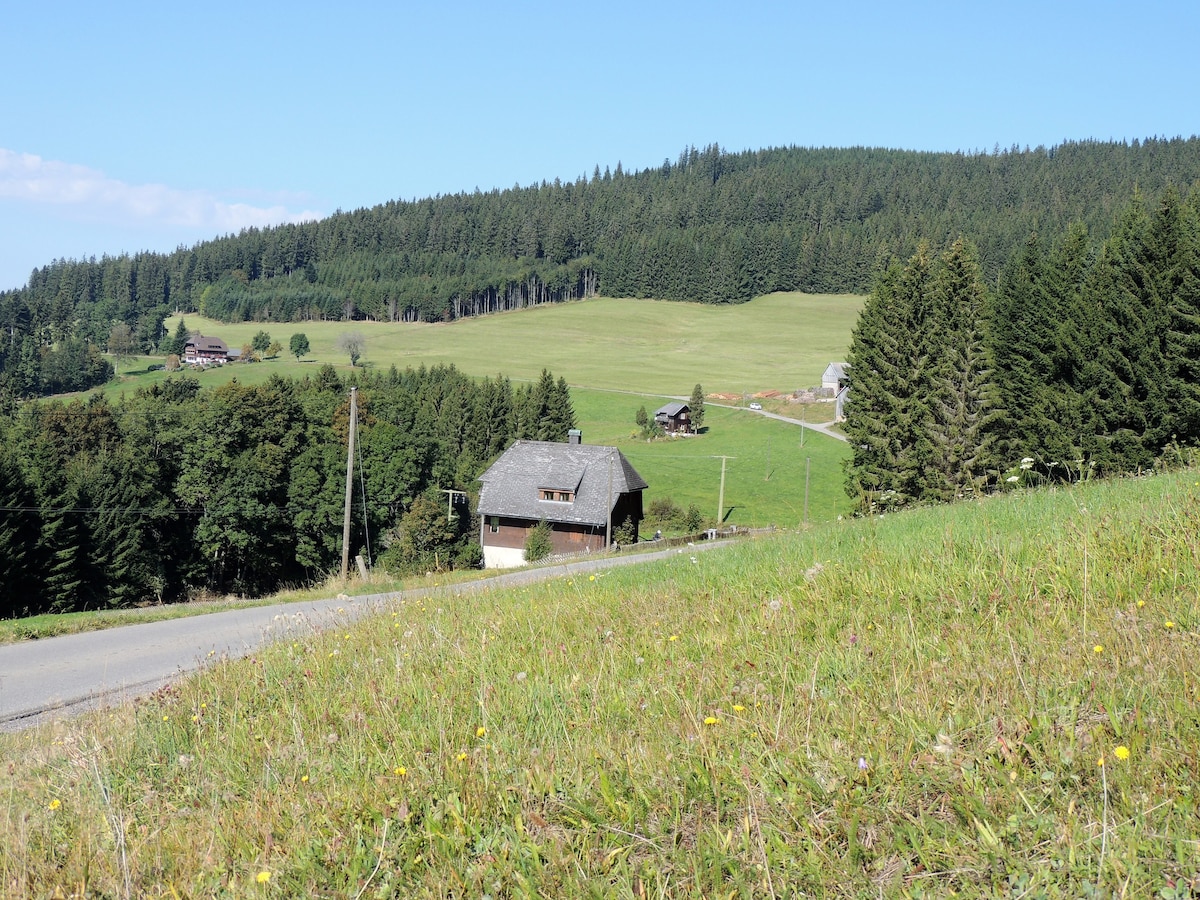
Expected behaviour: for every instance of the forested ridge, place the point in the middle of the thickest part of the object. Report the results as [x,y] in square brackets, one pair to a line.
[1081,359]
[710,226]
[177,491]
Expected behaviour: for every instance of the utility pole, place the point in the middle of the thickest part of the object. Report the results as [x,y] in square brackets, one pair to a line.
[721,496]
[450,492]
[608,519]
[349,482]
[807,467]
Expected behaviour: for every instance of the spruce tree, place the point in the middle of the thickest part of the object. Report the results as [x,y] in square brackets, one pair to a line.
[887,361]
[1124,384]
[1177,233]
[962,398]
[696,405]
[20,593]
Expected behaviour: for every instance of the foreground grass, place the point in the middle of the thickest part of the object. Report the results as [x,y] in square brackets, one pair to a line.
[909,706]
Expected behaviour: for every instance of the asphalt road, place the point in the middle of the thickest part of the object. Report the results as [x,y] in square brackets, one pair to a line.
[48,679]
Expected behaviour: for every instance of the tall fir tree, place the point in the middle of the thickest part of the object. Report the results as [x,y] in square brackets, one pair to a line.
[1127,331]
[887,360]
[696,405]
[1177,240]
[20,591]
[963,405]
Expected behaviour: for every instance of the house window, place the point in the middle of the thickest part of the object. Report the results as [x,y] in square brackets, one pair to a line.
[556,496]
[494,524]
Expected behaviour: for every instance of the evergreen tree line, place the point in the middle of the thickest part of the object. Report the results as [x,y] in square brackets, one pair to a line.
[711,226]
[178,491]
[1083,359]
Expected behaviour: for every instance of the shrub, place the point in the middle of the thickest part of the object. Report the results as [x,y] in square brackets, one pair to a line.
[469,557]
[539,544]
[625,531]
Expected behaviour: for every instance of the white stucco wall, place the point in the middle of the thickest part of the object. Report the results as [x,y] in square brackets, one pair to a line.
[503,557]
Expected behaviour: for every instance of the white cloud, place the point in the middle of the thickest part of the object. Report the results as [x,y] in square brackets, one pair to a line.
[92,194]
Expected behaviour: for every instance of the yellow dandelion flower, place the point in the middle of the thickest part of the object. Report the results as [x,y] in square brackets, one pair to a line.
[263,877]
[400,771]
[1168,624]
[166,718]
[1141,603]
[737,707]
[55,803]
[1121,753]
[1099,648]
[591,578]
[304,779]
[462,757]
[480,731]
[1100,762]
[673,637]
[711,720]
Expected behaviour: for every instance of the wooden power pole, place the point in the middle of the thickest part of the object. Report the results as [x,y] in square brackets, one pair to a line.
[349,482]
[721,496]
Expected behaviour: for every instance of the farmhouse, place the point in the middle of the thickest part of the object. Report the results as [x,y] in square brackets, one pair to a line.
[835,377]
[206,351]
[836,380]
[675,418]
[581,491]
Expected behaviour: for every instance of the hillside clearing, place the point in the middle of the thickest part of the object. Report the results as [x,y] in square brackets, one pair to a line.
[781,342]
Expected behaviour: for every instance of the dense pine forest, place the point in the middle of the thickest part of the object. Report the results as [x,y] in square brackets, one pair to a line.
[179,492]
[710,226]
[1082,359]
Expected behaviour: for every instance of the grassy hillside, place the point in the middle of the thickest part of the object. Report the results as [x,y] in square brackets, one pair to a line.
[989,698]
[764,477]
[780,342]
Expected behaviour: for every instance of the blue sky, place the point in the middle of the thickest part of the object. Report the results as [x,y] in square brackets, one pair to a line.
[137,126]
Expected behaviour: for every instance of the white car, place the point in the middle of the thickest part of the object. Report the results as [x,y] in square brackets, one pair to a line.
[756,406]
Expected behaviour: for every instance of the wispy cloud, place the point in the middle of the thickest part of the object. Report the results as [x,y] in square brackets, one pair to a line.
[92,194]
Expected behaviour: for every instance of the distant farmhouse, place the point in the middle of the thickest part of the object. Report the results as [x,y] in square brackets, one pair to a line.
[674,418]
[836,380]
[581,491]
[207,351]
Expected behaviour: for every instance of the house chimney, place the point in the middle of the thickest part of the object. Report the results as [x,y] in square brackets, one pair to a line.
[574,436]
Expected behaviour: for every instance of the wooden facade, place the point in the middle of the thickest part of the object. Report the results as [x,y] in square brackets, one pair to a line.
[674,418]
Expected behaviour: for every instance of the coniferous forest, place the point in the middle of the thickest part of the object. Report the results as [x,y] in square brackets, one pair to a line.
[1083,359]
[710,226]
[179,492]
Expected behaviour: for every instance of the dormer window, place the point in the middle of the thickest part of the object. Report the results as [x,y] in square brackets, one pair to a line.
[556,496]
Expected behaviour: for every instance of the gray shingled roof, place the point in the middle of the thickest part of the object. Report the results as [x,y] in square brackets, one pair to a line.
[673,408]
[210,344]
[512,484]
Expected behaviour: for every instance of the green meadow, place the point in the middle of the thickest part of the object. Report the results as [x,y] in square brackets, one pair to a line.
[780,342]
[618,355]
[994,698]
